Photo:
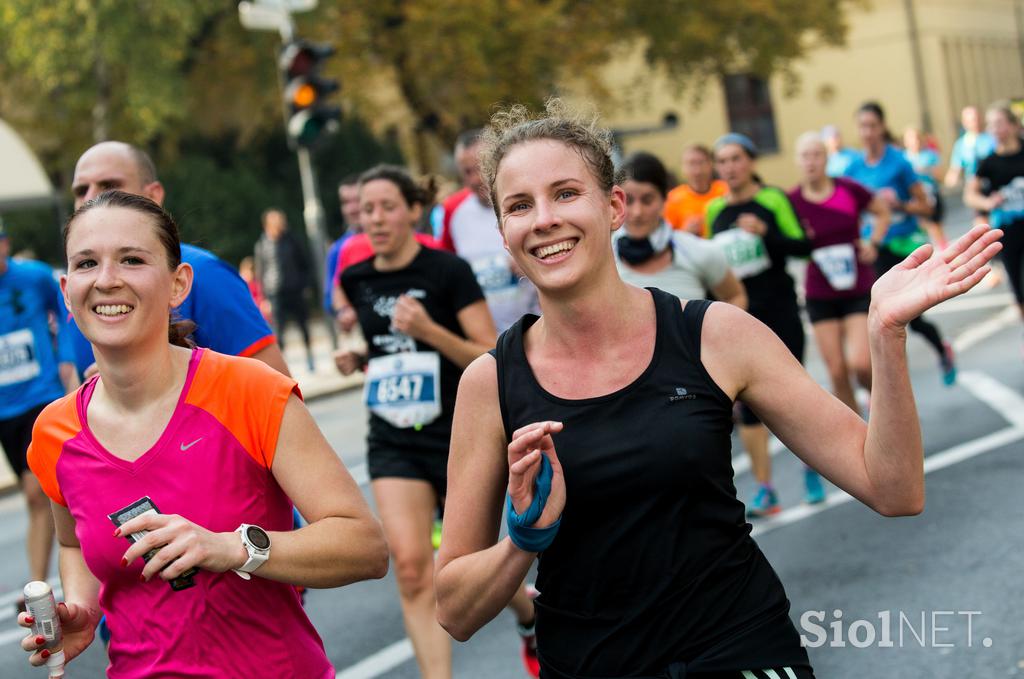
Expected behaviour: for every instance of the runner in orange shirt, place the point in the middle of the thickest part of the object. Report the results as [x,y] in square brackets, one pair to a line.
[684,207]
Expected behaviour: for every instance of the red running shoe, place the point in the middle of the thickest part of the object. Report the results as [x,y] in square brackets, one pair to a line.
[528,637]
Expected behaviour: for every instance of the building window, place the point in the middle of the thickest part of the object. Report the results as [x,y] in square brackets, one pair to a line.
[749,105]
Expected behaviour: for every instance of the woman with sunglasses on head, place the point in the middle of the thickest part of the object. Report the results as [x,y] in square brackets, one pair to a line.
[603,428]
[219,444]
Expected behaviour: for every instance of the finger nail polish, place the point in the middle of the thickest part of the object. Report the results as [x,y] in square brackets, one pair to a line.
[40,640]
[29,619]
[44,654]
[117,532]
[142,578]
[124,563]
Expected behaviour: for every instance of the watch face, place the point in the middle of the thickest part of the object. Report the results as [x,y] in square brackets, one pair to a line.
[258,537]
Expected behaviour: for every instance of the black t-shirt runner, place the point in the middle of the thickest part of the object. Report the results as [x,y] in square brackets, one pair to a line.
[760,262]
[653,563]
[1005,174]
[444,285]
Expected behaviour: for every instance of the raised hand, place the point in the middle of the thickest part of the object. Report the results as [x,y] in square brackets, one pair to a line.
[926,278]
[524,461]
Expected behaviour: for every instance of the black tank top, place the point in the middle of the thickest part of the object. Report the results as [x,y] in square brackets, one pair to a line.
[653,564]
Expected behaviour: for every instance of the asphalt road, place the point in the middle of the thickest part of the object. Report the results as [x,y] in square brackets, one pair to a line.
[948,581]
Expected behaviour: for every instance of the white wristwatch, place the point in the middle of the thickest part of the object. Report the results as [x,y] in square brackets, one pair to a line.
[257,544]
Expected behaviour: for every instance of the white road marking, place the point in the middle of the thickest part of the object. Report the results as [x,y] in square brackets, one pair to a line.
[935,462]
[996,395]
[970,302]
[380,662]
[982,331]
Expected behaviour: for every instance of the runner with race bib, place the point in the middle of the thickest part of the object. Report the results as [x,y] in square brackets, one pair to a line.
[757,229]
[998,188]
[839,276]
[425,319]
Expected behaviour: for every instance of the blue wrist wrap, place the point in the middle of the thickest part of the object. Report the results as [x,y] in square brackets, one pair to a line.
[520,528]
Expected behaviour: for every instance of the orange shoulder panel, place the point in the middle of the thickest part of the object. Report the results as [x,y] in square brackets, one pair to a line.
[57,424]
[245,395]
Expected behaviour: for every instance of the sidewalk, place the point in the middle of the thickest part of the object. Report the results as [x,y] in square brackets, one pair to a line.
[325,380]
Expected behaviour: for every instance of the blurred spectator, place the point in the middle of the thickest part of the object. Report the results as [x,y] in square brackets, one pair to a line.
[282,270]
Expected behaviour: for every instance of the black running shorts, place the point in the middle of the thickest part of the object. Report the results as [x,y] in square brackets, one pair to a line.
[836,309]
[15,435]
[395,462]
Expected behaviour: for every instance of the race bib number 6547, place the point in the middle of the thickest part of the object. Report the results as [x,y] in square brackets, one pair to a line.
[404,389]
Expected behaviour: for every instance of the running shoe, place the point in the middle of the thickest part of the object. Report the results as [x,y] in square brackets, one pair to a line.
[435,534]
[948,364]
[765,503]
[815,491]
[528,638]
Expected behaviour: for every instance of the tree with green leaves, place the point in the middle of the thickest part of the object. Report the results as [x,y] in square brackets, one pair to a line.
[453,60]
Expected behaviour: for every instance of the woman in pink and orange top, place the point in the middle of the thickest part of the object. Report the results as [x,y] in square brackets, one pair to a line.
[219,444]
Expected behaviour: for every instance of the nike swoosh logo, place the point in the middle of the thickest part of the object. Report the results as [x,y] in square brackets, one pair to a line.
[185,447]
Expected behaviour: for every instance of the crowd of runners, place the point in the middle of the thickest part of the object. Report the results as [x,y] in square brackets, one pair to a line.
[562,342]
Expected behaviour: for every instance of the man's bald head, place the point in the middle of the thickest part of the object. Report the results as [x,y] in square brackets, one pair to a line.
[113,165]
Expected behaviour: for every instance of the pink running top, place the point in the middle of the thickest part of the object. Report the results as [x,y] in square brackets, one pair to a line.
[212,466]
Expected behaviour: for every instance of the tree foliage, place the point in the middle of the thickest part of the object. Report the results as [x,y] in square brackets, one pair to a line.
[183,79]
[453,59]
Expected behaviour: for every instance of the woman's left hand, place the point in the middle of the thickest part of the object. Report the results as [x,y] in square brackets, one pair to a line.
[927,278]
[411,317]
[182,542]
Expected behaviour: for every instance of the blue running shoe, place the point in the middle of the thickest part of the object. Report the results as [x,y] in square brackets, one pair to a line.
[765,503]
[815,491]
[948,365]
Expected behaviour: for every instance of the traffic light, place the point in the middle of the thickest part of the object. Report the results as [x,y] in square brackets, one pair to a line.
[307,113]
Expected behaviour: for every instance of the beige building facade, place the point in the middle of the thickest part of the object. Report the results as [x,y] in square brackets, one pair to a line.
[923,60]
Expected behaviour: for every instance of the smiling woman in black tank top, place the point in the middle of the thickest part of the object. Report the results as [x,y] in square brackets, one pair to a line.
[607,422]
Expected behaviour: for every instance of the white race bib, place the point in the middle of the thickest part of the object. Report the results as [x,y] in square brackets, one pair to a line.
[745,252]
[404,389]
[839,264]
[17,357]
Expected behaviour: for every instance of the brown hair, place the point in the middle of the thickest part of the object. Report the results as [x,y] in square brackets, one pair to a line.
[179,330]
[517,125]
[412,192]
